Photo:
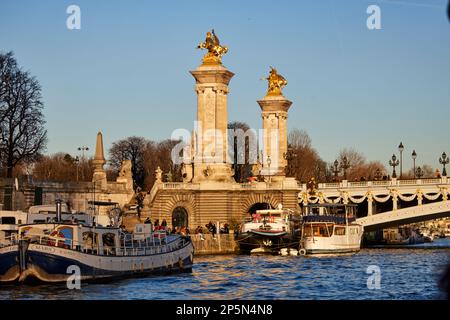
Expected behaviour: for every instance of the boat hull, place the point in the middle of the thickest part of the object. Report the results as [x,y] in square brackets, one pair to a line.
[9,264]
[261,243]
[50,264]
[332,245]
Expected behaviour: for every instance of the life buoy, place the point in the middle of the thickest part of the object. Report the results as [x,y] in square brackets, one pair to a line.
[302,252]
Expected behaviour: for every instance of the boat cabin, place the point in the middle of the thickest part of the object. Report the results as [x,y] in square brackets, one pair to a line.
[8,225]
[326,220]
[92,239]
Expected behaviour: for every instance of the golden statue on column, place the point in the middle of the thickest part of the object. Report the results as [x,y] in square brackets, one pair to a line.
[276,82]
[215,50]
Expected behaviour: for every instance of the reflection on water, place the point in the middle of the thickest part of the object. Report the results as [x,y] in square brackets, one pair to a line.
[409,273]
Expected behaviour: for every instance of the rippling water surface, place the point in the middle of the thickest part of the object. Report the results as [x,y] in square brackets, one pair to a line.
[407,273]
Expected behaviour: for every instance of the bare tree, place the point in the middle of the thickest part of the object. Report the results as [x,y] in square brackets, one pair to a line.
[306,162]
[299,139]
[22,133]
[62,167]
[131,148]
[241,170]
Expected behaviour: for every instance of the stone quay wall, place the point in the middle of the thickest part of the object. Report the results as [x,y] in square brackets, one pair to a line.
[220,244]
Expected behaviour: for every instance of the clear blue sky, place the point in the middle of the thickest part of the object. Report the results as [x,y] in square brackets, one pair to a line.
[126,71]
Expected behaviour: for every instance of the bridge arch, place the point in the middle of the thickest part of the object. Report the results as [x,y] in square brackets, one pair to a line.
[180,217]
[259,201]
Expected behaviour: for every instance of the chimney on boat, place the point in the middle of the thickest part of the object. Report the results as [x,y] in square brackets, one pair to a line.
[58,210]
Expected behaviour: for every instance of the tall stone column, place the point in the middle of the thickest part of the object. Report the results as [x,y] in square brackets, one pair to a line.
[99,176]
[211,150]
[274,115]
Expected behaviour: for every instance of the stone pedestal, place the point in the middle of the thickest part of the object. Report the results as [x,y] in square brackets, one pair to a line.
[211,143]
[274,115]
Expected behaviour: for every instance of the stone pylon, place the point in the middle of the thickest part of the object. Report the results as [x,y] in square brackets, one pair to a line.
[274,116]
[99,176]
[211,139]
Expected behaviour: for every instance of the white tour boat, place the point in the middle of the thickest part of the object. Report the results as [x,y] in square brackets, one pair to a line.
[330,229]
[268,231]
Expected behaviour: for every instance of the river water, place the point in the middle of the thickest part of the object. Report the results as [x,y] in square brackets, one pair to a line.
[407,273]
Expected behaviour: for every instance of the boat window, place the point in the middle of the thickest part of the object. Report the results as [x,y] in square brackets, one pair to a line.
[307,231]
[90,240]
[318,230]
[8,220]
[108,243]
[339,231]
[330,231]
[108,239]
[68,235]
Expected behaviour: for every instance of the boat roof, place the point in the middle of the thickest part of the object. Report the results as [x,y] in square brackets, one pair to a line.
[318,205]
[102,203]
[57,224]
[327,218]
[271,211]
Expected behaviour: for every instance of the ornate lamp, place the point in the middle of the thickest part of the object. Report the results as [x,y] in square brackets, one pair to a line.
[401,148]
[345,164]
[418,173]
[444,160]
[393,163]
[335,169]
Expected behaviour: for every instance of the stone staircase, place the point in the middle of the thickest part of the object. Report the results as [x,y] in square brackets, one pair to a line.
[130,219]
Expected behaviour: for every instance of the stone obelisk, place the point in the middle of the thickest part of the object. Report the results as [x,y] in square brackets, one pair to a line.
[211,140]
[99,176]
[274,115]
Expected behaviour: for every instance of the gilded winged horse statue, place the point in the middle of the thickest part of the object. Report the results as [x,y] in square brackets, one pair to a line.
[215,50]
[276,82]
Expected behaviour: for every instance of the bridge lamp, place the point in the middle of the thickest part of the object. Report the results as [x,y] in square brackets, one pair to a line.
[378,175]
[414,156]
[335,169]
[77,161]
[444,160]
[393,163]
[344,166]
[268,163]
[418,173]
[401,148]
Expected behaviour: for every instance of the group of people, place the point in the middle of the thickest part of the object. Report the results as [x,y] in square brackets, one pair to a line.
[183,230]
[211,227]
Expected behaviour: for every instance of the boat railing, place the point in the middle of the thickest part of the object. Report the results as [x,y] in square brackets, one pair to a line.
[137,248]
[9,241]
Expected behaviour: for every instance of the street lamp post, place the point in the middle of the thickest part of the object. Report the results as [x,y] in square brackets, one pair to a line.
[393,163]
[82,149]
[414,156]
[419,172]
[378,175]
[289,156]
[335,169]
[344,166]
[401,148]
[77,160]
[444,160]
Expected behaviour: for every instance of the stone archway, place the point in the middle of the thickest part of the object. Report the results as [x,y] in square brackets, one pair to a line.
[260,200]
[180,217]
[259,206]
